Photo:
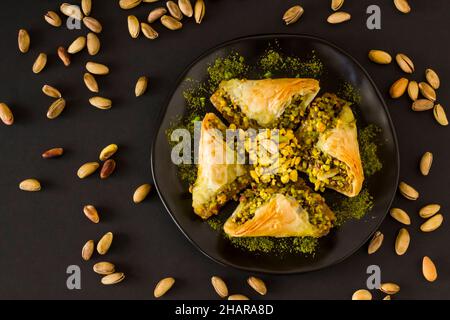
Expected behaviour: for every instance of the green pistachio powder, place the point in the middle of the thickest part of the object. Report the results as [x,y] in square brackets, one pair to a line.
[273,63]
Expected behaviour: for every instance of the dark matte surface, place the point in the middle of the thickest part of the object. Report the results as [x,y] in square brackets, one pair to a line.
[41,234]
[341,242]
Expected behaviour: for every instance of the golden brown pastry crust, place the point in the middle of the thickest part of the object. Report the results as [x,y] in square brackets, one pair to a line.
[216,170]
[341,143]
[264,101]
[282,216]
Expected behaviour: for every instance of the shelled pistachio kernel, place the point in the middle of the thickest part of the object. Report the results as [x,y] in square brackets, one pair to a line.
[30,185]
[87,169]
[108,152]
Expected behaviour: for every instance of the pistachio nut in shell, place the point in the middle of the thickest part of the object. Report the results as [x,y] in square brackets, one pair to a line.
[40,63]
[422,105]
[93,44]
[199,11]
[402,242]
[433,78]
[101,102]
[425,163]
[77,45]
[186,7]
[380,57]
[91,213]
[405,63]
[362,294]
[339,17]
[156,14]
[427,91]
[6,115]
[86,7]
[408,191]
[97,68]
[390,288]
[402,6]
[258,285]
[51,91]
[53,19]
[171,23]
[104,244]
[163,286]
[90,82]
[413,90]
[432,223]
[23,40]
[400,215]
[429,269]
[141,86]
[134,27]
[174,10]
[398,88]
[113,278]
[440,115]
[336,4]
[293,14]
[141,193]
[129,4]
[148,31]
[56,108]
[93,24]
[375,243]
[88,250]
[429,210]
[219,286]
[104,268]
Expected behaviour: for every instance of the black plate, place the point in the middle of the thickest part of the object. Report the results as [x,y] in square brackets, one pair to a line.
[341,242]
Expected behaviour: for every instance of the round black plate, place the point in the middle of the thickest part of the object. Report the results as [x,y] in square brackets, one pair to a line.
[341,242]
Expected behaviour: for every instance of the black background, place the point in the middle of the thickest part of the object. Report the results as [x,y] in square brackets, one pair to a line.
[42,233]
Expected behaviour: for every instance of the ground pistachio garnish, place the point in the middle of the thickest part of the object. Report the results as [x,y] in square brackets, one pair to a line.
[186,172]
[195,96]
[348,92]
[368,148]
[274,61]
[278,246]
[226,68]
[352,208]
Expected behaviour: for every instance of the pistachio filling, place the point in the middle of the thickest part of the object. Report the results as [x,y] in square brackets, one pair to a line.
[322,169]
[233,113]
[227,193]
[259,194]
[293,113]
[274,154]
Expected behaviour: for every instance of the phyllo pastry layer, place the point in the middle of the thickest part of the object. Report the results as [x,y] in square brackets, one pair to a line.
[220,177]
[291,210]
[267,103]
[328,140]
